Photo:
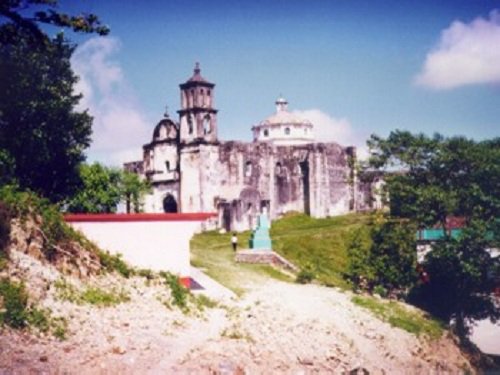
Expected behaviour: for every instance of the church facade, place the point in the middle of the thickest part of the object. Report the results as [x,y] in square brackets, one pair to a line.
[282,170]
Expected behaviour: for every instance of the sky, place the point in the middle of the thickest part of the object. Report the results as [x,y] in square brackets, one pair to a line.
[352,67]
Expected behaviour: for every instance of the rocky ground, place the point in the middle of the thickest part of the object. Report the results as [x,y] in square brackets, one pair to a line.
[275,328]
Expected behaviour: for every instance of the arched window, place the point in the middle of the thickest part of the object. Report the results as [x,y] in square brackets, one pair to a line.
[287,131]
[206,125]
[248,169]
[169,203]
[266,133]
[278,168]
[167,166]
[192,98]
[190,125]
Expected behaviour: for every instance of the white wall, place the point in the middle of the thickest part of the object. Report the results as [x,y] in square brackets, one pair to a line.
[161,245]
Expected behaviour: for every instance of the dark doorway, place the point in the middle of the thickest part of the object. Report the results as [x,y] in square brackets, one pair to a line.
[304,169]
[169,204]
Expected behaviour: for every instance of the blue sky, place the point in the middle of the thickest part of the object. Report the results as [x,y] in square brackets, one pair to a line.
[352,67]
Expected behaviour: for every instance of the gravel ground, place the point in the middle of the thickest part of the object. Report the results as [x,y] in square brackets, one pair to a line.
[275,328]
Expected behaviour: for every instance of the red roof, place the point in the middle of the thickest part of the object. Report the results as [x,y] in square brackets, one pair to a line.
[199,216]
[453,222]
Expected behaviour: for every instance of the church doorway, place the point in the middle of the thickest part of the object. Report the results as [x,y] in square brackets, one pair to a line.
[169,204]
[304,169]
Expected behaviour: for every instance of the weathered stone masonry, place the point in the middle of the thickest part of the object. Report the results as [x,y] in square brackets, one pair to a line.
[282,170]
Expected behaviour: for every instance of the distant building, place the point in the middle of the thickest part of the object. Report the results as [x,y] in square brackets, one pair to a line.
[282,170]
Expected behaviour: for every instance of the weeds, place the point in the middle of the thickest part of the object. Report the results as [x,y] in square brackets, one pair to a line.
[15,302]
[115,263]
[179,292]
[398,316]
[92,295]
[16,313]
[306,275]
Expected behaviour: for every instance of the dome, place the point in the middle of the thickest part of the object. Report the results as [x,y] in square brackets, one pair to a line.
[166,129]
[284,127]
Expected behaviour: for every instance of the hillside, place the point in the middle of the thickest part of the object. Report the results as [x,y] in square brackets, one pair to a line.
[113,319]
[319,245]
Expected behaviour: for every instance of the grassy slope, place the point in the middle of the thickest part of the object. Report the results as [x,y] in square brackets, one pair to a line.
[318,243]
[212,252]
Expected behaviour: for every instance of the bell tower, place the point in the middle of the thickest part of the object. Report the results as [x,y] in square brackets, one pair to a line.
[198,118]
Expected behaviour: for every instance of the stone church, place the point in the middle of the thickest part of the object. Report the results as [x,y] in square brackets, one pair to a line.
[282,170]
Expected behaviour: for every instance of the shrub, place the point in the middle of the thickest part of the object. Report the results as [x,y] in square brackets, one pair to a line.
[15,300]
[4,233]
[93,295]
[99,297]
[306,275]
[55,231]
[390,262]
[179,292]
[115,263]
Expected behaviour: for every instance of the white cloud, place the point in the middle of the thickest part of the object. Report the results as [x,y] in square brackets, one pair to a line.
[331,129]
[466,54]
[118,119]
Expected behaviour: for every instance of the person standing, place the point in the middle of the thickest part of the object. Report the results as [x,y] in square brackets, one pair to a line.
[234,241]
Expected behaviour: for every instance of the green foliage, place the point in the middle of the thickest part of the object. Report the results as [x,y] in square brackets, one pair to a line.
[305,275]
[461,283]
[15,312]
[179,292]
[359,271]
[212,251]
[37,112]
[99,297]
[54,228]
[203,302]
[4,233]
[115,263]
[15,302]
[320,244]
[27,20]
[103,188]
[400,316]
[100,192]
[393,255]
[443,177]
[39,318]
[389,263]
[91,295]
[133,190]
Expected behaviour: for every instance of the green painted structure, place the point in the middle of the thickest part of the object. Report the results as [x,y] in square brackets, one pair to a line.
[260,239]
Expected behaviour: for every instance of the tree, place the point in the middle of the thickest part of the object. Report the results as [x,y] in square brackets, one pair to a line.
[389,262]
[42,137]
[133,190]
[16,12]
[40,132]
[104,188]
[442,177]
[100,192]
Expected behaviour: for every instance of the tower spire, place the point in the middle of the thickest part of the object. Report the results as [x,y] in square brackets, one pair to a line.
[197,69]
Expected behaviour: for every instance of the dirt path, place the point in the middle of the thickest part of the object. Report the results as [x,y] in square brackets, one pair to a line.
[275,328]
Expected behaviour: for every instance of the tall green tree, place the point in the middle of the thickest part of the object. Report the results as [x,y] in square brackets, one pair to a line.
[104,188]
[42,136]
[40,130]
[438,178]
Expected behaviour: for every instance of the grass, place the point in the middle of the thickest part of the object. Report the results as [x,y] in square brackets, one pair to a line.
[316,245]
[397,315]
[92,295]
[212,252]
[319,245]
